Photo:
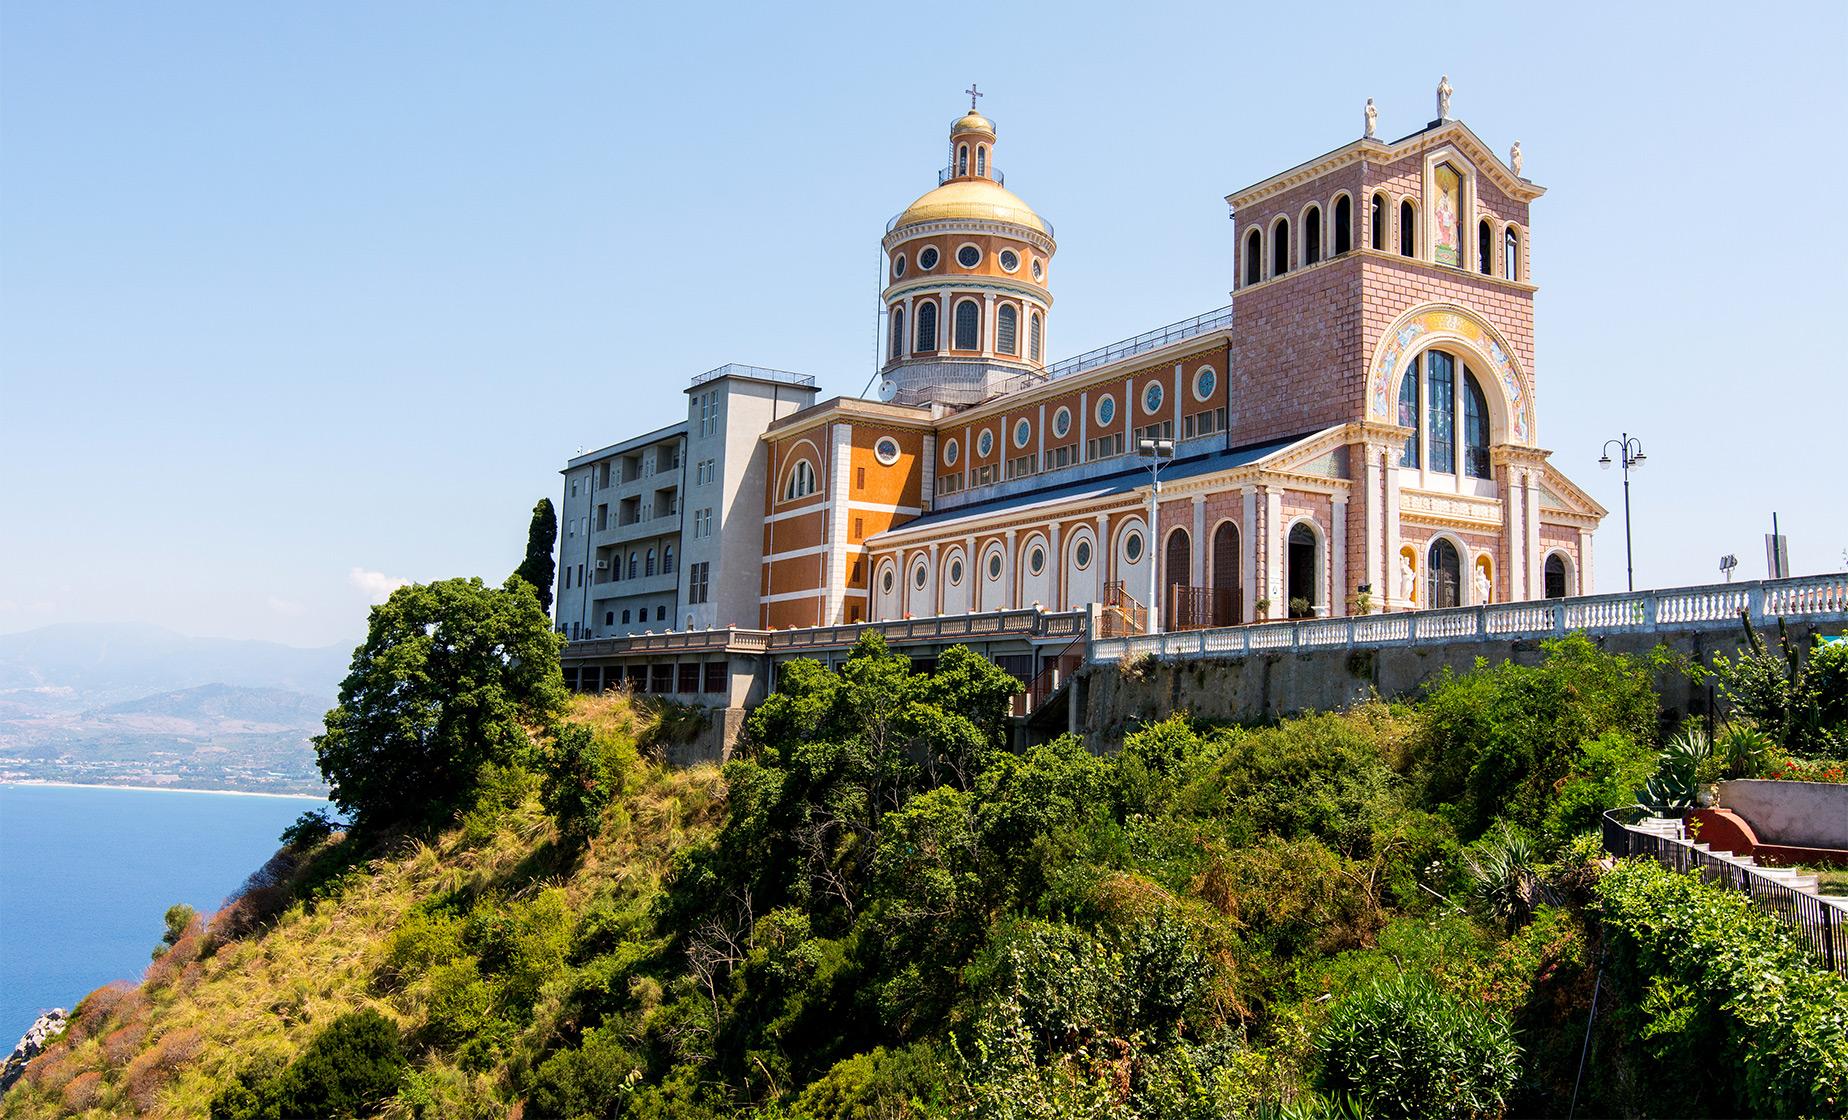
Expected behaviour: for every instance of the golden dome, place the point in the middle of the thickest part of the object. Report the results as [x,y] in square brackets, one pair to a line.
[971,199]
[972,122]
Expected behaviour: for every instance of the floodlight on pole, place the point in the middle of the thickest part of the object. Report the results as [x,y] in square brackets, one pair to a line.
[1159,453]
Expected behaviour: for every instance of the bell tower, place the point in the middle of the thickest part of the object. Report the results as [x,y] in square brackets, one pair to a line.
[967,269]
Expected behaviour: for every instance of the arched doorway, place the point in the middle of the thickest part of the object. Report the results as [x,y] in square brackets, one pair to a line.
[1304,568]
[1176,582]
[1446,575]
[1228,588]
[1556,583]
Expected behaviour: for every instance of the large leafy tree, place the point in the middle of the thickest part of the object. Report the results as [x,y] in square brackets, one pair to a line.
[538,568]
[453,676]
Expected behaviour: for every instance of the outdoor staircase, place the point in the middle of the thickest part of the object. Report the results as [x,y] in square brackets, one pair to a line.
[1671,828]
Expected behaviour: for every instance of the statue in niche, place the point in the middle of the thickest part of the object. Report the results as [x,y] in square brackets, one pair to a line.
[1443,98]
[1482,588]
[1408,578]
[1373,121]
[1514,157]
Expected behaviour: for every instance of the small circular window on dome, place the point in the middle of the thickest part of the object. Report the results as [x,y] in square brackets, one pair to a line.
[950,452]
[956,572]
[968,256]
[1023,431]
[919,576]
[984,443]
[1151,396]
[1062,422]
[1132,547]
[886,450]
[1106,411]
[1010,260]
[1081,555]
[1205,381]
[886,581]
[1036,560]
[927,257]
[898,266]
[994,565]
[1039,270]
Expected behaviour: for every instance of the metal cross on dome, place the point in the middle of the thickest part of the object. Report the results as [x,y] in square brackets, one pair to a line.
[973,94]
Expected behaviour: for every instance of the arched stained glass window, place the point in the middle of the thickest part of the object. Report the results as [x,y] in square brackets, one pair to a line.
[1344,224]
[1475,428]
[927,326]
[1312,235]
[1007,330]
[1440,395]
[1033,337]
[1408,229]
[898,331]
[1280,248]
[1408,416]
[968,326]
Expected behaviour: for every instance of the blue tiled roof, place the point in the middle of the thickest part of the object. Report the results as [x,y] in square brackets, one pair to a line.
[1102,486]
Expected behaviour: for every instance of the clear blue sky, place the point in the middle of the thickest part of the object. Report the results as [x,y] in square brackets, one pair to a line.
[294,292]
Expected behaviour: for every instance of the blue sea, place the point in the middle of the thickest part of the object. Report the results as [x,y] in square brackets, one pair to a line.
[87,872]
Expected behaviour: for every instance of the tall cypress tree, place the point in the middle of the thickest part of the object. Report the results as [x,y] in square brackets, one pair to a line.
[538,568]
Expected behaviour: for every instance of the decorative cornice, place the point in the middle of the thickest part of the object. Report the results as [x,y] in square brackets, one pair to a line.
[1379,152]
[1024,234]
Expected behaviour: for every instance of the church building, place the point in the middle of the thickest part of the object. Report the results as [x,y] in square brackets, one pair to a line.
[1358,432]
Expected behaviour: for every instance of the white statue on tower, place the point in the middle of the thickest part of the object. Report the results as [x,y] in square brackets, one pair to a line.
[1443,98]
[1514,157]
[1373,120]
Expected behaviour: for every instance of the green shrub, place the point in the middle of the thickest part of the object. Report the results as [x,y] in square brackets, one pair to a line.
[1404,1047]
[178,919]
[584,772]
[877,1085]
[588,1080]
[309,829]
[349,1069]
[1608,773]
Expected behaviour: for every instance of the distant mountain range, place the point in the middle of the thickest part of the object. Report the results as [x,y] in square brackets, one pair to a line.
[136,704]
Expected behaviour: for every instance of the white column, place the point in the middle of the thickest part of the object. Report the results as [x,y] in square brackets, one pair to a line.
[1514,524]
[1055,570]
[1374,496]
[1586,583]
[1399,594]
[1198,573]
[1008,587]
[988,325]
[1248,554]
[1273,551]
[1084,424]
[936,582]
[834,562]
[911,326]
[1536,578]
[1178,379]
[1039,448]
[1338,557]
[1129,415]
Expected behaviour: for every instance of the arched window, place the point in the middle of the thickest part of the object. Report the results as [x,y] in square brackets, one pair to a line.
[1555,573]
[968,326]
[648,568]
[1254,257]
[1312,235]
[1344,224]
[1228,608]
[634,566]
[962,159]
[981,160]
[1033,336]
[1475,428]
[898,331]
[1485,247]
[1447,229]
[667,558]
[1445,570]
[1408,415]
[1007,329]
[927,326]
[1511,255]
[1379,222]
[1408,229]
[1280,247]
[1177,574]
[1304,566]
[1440,397]
[801,481]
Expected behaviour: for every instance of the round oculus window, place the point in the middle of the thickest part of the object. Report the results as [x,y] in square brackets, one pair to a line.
[1151,396]
[927,257]
[1010,260]
[1039,270]
[1204,382]
[968,256]
[950,452]
[984,443]
[1062,422]
[1081,555]
[1106,411]
[1023,431]
[956,573]
[1036,560]
[919,576]
[898,266]
[886,581]
[1132,547]
[994,565]
[886,450]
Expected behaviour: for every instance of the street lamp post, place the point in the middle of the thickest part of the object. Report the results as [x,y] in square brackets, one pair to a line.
[1159,453]
[1630,452]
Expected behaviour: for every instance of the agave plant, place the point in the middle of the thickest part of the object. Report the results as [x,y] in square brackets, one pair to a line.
[1743,752]
[1501,874]
[1676,784]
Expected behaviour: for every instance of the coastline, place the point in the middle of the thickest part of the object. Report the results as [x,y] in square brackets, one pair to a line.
[169,789]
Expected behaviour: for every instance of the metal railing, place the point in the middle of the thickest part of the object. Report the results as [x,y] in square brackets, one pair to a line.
[1714,606]
[1200,608]
[1120,614]
[1822,923]
[944,175]
[1142,343]
[759,372]
[1031,624]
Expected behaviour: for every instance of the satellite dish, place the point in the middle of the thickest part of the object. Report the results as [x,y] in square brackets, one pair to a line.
[888,389]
